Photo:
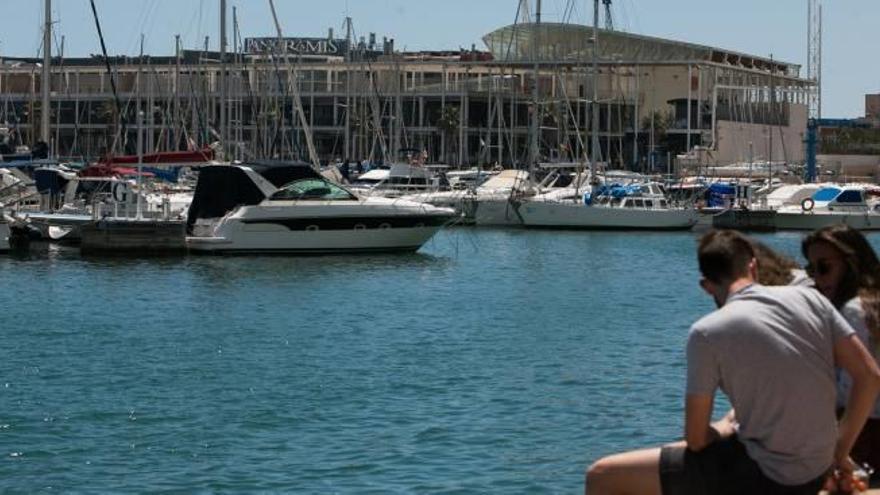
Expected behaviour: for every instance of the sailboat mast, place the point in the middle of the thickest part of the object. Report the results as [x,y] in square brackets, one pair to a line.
[771,126]
[535,124]
[139,114]
[223,116]
[594,106]
[297,102]
[47,60]
[348,153]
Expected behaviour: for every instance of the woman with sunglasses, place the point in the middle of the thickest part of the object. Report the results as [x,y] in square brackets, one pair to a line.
[846,270]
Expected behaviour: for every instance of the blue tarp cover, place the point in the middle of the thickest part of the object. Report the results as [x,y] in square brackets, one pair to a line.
[718,195]
[168,174]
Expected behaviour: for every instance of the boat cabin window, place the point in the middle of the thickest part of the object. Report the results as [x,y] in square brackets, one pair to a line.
[315,189]
[649,203]
[367,182]
[662,203]
[638,203]
[850,196]
[615,202]
[407,181]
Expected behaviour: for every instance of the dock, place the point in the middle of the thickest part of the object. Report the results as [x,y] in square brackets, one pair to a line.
[126,236]
[746,219]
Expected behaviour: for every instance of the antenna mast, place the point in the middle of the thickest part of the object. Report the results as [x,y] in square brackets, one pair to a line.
[814,56]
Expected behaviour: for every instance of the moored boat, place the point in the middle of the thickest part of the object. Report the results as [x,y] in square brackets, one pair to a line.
[289,208]
[635,207]
[833,204]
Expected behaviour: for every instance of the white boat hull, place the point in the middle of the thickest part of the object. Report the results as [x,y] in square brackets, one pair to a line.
[816,220]
[496,212]
[242,239]
[374,225]
[541,214]
[461,202]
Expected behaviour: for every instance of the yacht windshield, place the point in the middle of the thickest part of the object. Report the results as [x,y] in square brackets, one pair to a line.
[315,189]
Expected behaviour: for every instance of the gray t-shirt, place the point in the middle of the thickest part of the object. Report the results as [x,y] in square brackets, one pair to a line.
[854,313]
[771,351]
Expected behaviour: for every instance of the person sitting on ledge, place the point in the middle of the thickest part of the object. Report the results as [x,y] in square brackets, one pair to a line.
[772,351]
[847,272]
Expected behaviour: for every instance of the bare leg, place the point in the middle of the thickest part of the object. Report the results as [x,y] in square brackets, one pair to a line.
[630,473]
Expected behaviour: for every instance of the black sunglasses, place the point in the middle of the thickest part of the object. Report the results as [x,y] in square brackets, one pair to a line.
[821,268]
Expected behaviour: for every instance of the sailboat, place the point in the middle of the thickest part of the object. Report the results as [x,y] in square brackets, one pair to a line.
[634,207]
[631,206]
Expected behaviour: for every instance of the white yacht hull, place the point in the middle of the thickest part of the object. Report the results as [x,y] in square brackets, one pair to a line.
[541,214]
[816,220]
[240,239]
[321,228]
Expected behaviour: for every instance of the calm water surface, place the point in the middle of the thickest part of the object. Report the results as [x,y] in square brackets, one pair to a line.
[491,361]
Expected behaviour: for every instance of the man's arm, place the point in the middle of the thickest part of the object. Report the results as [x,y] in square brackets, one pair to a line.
[698,432]
[851,355]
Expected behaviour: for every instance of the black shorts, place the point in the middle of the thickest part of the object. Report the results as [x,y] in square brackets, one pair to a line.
[722,468]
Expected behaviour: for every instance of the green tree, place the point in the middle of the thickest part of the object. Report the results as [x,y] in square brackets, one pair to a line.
[448,124]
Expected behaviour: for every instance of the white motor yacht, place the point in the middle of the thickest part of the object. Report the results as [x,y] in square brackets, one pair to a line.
[289,208]
[635,207]
[833,204]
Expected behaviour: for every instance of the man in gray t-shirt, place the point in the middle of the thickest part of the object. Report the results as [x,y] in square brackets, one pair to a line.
[769,349]
[772,351]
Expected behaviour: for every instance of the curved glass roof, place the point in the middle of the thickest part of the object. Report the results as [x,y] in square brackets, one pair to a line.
[573,42]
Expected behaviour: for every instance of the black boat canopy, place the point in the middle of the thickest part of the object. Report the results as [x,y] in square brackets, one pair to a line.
[221,188]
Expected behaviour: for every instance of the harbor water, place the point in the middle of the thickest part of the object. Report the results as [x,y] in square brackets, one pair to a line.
[492,361]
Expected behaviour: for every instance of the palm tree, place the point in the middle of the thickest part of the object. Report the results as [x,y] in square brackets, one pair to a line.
[448,124]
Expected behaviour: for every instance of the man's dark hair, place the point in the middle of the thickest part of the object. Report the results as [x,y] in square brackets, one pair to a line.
[724,255]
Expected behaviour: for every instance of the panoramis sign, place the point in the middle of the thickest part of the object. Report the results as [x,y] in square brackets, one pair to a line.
[296,46]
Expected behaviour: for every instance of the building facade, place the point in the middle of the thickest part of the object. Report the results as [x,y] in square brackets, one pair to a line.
[657,99]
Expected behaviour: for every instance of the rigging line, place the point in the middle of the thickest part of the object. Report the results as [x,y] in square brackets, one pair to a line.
[513,31]
[110,74]
[636,25]
[189,26]
[199,21]
[150,19]
[142,15]
[575,12]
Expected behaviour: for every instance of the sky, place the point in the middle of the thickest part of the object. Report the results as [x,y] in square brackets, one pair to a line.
[758,27]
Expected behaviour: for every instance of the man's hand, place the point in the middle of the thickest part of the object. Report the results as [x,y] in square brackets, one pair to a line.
[842,479]
[726,426]
[698,432]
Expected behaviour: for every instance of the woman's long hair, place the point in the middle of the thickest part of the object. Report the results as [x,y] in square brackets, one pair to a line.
[773,268]
[862,276]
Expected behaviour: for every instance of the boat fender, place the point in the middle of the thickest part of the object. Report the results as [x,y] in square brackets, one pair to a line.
[588,199]
[807,204]
[120,192]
